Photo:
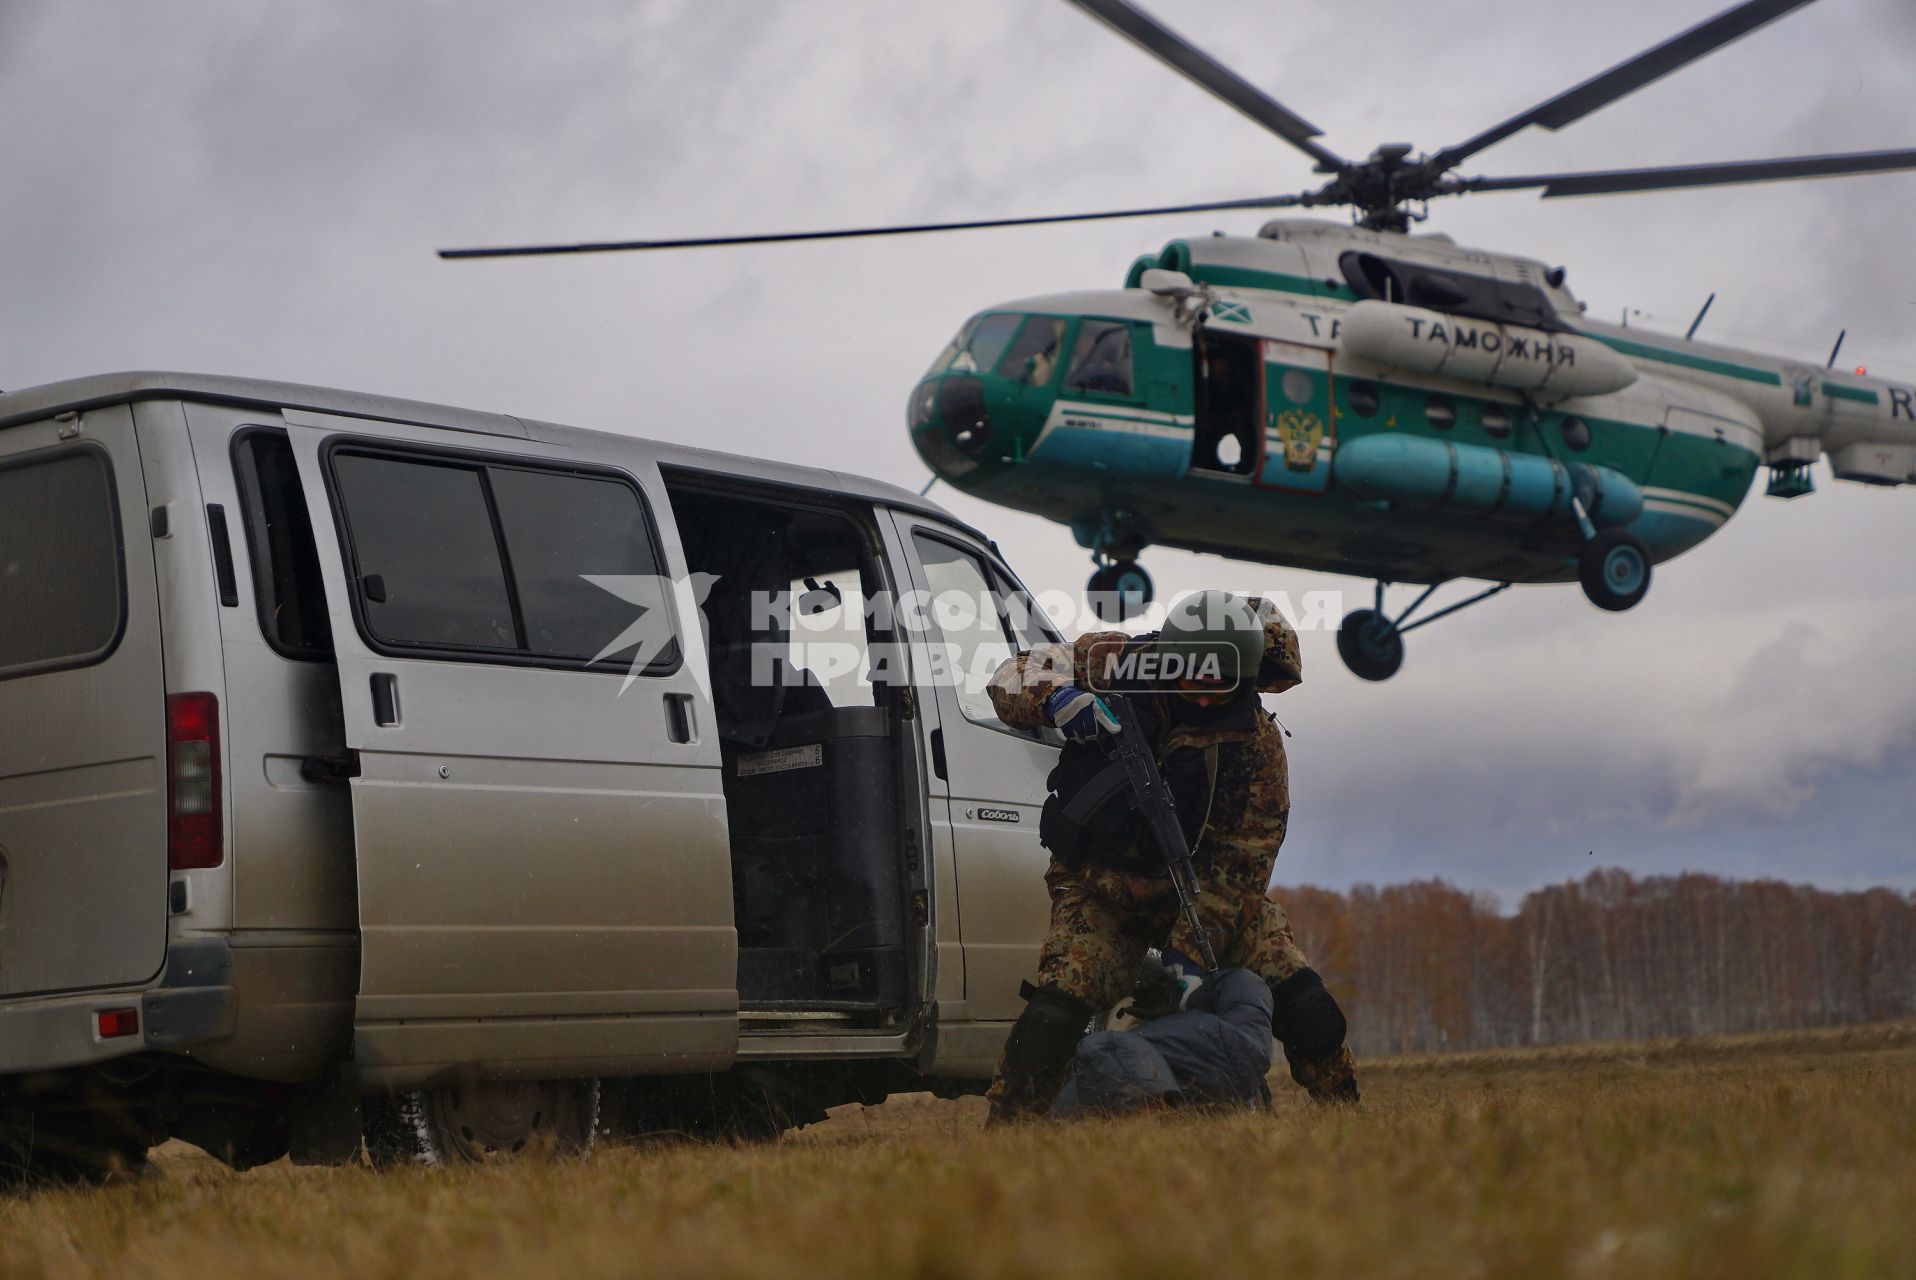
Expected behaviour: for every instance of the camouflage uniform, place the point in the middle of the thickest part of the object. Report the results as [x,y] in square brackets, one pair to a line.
[1102,920]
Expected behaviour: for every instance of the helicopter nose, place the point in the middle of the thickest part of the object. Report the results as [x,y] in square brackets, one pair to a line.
[950,424]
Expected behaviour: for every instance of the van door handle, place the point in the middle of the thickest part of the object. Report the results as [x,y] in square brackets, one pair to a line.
[385,699]
[319,769]
[679,725]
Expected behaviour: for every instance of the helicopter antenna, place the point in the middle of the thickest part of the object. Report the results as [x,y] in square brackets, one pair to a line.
[1696,323]
[1838,347]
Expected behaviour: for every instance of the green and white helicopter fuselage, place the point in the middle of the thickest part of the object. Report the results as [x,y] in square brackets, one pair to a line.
[1396,407]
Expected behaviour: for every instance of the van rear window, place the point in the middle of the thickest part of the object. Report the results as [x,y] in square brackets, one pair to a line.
[61,595]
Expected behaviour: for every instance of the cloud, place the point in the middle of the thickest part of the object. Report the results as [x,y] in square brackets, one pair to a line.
[257,188]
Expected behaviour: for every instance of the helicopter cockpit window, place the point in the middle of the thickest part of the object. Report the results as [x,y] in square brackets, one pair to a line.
[1033,357]
[1101,360]
[978,345]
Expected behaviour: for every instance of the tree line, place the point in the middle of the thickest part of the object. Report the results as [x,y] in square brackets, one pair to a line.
[1428,967]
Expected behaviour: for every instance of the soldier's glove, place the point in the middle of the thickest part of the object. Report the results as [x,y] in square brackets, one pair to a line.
[1079,714]
[1157,994]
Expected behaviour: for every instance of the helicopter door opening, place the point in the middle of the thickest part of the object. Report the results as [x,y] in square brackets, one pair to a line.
[1230,404]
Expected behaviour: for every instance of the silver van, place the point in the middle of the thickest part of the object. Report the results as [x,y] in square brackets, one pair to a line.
[448,782]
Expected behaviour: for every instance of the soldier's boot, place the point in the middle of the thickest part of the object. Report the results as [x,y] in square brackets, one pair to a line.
[1037,1054]
[1306,1020]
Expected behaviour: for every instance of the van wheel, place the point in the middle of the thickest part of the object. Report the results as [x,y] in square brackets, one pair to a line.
[71,1128]
[53,1154]
[742,1105]
[482,1122]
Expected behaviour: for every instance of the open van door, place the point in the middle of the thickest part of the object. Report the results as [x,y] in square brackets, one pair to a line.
[539,823]
[990,776]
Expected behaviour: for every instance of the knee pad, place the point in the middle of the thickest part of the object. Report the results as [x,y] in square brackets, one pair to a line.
[1052,1013]
[1039,1050]
[1305,1016]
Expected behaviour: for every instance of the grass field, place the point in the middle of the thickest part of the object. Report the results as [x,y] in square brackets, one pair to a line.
[1753,1156]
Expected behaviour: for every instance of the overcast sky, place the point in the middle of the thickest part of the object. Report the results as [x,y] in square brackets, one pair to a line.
[255,187]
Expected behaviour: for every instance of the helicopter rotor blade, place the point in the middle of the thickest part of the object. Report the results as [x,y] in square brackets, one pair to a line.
[1677,177]
[1627,77]
[853,233]
[1174,51]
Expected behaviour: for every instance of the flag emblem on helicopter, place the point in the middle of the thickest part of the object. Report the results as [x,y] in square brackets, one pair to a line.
[1301,432]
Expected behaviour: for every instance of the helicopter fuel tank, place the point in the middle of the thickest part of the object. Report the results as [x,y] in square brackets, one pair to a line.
[1473,480]
[1502,355]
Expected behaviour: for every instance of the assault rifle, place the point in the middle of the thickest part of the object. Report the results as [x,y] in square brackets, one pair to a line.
[1128,748]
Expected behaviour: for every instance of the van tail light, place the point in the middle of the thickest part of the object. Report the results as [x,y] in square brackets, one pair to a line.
[111,1024]
[193,836]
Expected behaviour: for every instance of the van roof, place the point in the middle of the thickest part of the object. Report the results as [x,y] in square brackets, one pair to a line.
[79,394]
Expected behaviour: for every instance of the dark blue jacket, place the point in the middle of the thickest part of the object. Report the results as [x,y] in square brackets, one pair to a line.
[1215,1051]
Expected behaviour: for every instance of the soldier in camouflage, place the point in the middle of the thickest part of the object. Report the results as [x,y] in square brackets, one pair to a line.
[1223,757]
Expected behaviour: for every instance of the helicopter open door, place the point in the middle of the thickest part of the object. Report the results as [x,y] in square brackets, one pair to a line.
[1300,425]
[1229,434]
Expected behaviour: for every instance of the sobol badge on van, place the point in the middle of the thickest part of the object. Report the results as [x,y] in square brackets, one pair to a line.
[781,760]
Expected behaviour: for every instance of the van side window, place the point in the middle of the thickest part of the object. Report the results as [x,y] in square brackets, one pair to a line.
[559,528]
[279,535]
[61,595]
[463,556]
[428,562]
[969,608]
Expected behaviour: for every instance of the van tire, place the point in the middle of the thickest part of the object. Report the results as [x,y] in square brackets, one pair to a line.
[482,1122]
[743,1105]
[74,1154]
[388,1131]
[68,1128]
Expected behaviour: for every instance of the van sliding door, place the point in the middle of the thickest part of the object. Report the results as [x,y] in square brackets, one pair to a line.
[544,885]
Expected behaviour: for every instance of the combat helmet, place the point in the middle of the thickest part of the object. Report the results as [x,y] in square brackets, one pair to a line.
[1214,632]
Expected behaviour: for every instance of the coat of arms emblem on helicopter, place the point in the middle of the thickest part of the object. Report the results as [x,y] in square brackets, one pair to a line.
[1300,431]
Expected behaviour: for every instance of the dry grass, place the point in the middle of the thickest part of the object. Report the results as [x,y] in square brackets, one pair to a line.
[1784,1156]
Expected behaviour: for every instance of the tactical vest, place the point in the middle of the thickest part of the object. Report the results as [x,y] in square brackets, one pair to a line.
[1091,815]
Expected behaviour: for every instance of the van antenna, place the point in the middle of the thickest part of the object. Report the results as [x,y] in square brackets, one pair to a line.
[1838,347]
[934,480]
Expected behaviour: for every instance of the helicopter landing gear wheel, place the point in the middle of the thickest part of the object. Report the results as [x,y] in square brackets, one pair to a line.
[1614,568]
[1119,590]
[1370,645]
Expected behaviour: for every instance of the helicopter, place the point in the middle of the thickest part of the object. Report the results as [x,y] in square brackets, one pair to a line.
[1359,399]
